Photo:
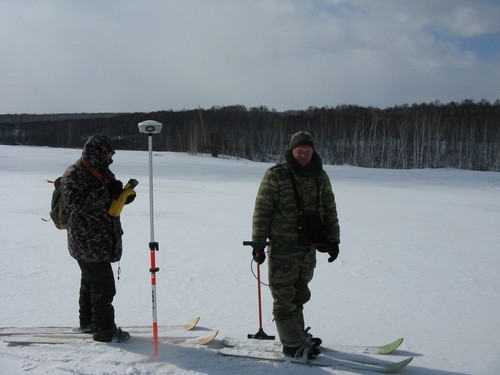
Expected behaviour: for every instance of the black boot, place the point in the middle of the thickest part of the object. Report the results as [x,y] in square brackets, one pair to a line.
[291,351]
[313,352]
[316,342]
[115,334]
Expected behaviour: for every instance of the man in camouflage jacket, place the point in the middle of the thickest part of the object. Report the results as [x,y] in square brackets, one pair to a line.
[94,237]
[291,263]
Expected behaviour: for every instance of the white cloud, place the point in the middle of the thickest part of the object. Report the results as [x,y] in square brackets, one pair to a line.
[149,55]
[473,19]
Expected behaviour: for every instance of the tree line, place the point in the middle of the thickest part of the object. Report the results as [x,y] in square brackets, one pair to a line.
[463,135]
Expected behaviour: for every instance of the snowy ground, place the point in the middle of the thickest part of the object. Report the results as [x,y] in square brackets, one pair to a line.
[419,259]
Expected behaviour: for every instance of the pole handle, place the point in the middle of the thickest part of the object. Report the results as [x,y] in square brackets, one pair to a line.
[256,243]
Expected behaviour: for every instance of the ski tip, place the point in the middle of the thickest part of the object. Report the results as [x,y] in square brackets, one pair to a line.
[191,324]
[405,362]
[389,348]
[397,342]
[208,339]
[395,366]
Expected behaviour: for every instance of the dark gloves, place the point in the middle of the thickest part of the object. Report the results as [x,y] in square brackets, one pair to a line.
[259,254]
[115,187]
[333,251]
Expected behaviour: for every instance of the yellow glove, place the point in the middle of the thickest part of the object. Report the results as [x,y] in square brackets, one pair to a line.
[125,197]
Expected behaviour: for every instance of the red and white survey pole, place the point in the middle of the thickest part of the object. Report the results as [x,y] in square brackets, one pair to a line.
[150,128]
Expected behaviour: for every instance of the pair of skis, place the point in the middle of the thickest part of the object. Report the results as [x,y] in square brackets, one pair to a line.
[349,357]
[23,336]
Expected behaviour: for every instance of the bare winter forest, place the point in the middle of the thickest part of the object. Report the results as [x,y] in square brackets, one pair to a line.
[462,135]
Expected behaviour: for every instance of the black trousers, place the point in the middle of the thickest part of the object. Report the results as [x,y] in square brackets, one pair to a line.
[97,289]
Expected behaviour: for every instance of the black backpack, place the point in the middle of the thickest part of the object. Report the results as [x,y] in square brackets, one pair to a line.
[57,212]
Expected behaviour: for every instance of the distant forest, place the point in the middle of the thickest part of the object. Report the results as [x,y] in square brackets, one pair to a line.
[462,135]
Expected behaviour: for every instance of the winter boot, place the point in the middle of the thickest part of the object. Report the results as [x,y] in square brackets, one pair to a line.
[115,334]
[121,336]
[289,331]
[291,351]
[298,351]
[316,342]
[299,315]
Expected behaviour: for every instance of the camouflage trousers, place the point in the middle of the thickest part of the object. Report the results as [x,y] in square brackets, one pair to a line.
[291,268]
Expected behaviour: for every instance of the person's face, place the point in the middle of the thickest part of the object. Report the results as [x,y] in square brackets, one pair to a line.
[108,157]
[303,154]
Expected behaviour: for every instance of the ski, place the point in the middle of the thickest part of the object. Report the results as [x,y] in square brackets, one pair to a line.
[321,361]
[202,340]
[61,339]
[7,331]
[354,349]
[363,349]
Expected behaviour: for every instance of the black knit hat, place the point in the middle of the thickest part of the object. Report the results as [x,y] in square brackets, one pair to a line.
[301,138]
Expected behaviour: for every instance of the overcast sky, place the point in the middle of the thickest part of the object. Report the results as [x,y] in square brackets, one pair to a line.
[129,56]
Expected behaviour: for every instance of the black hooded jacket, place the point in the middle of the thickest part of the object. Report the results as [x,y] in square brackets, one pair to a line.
[93,235]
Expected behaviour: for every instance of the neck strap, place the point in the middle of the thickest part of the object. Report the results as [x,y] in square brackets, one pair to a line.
[94,171]
[300,208]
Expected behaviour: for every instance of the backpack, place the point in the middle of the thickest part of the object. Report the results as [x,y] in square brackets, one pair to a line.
[57,212]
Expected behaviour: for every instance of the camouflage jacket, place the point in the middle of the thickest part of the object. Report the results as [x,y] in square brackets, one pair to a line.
[276,217]
[93,235]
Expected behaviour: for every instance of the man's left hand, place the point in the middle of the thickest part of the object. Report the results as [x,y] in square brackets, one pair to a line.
[333,251]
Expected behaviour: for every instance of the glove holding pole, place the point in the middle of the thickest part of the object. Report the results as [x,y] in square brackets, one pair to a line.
[258,250]
[259,254]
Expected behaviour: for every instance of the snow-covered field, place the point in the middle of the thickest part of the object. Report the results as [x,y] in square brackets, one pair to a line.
[419,258]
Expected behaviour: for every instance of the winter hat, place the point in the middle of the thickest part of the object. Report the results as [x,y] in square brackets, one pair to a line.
[301,138]
[96,150]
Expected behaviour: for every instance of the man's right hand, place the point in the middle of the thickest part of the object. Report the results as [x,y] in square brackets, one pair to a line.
[259,254]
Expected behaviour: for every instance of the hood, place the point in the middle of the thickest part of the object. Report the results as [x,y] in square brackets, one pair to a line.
[313,169]
[96,151]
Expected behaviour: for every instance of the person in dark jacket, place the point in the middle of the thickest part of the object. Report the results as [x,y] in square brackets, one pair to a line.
[292,259]
[94,236]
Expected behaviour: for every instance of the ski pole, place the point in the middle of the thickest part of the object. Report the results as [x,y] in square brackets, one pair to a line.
[260,335]
[151,127]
